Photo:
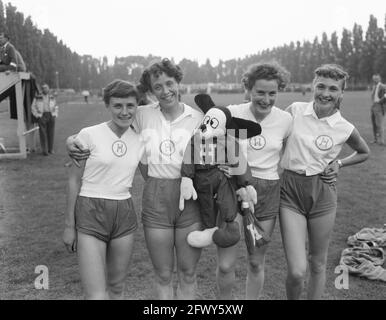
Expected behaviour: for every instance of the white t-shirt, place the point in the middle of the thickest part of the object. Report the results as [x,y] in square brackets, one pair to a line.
[264,150]
[165,141]
[314,142]
[110,169]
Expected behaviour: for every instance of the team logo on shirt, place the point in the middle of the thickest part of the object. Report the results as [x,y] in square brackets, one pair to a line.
[257,142]
[167,147]
[324,142]
[119,148]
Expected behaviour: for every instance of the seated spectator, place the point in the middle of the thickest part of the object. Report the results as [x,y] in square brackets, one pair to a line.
[8,55]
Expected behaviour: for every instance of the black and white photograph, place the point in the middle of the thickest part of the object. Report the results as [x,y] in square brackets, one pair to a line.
[212,152]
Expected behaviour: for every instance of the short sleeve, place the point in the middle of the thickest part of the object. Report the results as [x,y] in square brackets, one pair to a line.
[289,109]
[350,129]
[289,126]
[142,152]
[85,139]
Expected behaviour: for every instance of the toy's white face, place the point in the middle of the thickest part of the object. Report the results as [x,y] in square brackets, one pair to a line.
[213,124]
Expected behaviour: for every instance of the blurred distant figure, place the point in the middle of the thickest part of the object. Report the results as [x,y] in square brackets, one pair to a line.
[85,94]
[303,90]
[45,109]
[378,108]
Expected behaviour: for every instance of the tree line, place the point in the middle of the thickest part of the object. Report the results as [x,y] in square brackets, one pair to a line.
[361,53]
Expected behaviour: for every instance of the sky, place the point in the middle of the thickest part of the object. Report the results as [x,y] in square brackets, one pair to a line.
[193,29]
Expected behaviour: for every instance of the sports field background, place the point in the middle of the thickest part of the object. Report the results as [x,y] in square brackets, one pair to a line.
[33,197]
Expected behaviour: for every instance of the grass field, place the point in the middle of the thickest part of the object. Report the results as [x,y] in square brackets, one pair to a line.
[32,203]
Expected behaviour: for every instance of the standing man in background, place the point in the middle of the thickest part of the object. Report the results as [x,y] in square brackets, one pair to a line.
[85,94]
[44,108]
[378,107]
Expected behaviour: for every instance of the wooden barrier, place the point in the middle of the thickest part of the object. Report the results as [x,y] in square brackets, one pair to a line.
[14,79]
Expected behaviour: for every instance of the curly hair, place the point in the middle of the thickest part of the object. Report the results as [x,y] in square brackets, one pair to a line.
[265,71]
[156,68]
[120,89]
[332,71]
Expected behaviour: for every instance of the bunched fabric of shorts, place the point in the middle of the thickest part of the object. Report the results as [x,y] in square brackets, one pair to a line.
[307,195]
[268,198]
[160,205]
[105,219]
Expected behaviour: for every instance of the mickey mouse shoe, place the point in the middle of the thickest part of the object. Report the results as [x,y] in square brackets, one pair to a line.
[228,236]
[201,239]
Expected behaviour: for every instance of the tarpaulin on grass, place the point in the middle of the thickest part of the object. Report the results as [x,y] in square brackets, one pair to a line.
[376,235]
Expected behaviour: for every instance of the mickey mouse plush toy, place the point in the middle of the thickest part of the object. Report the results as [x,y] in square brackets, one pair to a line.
[214,143]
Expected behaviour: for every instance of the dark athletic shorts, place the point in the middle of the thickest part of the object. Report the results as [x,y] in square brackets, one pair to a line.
[160,205]
[268,198]
[105,219]
[307,195]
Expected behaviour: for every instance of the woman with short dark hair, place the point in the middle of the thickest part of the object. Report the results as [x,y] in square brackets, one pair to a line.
[100,218]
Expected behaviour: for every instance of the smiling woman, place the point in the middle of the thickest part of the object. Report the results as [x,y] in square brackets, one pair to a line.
[308,201]
[262,83]
[100,220]
[166,127]
[165,226]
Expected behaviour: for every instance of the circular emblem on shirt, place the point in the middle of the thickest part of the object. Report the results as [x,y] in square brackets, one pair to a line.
[119,148]
[167,147]
[257,142]
[324,143]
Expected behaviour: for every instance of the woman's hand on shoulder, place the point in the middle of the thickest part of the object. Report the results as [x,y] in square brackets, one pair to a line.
[76,151]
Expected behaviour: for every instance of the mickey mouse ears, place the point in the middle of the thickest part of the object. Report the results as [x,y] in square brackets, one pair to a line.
[204,102]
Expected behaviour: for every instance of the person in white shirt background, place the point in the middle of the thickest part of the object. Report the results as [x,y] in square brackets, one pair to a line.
[378,108]
[262,83]
[308,192]
[45,109]
[100,218]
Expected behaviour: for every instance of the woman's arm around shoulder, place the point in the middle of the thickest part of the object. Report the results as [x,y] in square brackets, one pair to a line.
[74,183]
[361,154]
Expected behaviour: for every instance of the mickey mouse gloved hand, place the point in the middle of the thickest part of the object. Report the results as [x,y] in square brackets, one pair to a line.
[187,191]
[252,197]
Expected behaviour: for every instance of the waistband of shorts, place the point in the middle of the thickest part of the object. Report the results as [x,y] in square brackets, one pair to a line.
[98,198]
[299,174]
[163,179]
[106,192]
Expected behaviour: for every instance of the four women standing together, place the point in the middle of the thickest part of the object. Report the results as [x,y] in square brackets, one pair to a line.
[311,136]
